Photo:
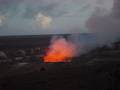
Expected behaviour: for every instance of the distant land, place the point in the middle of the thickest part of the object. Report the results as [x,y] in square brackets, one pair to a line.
[28,41]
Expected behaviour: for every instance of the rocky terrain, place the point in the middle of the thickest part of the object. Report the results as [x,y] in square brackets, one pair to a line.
[99,69]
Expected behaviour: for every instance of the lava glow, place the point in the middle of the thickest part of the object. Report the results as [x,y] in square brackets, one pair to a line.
[60,50]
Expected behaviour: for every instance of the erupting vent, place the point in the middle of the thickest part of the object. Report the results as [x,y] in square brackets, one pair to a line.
[60,50]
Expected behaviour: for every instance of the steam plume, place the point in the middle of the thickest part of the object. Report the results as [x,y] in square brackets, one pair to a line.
[60,50]
[106,27]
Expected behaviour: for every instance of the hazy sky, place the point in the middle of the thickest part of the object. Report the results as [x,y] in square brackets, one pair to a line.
[31,17]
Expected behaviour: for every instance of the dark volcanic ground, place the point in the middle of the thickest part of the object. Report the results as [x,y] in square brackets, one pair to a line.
[99,69]
[63,76]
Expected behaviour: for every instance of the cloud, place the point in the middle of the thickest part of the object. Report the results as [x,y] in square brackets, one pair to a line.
[42,20]
[2,20]
[59,16]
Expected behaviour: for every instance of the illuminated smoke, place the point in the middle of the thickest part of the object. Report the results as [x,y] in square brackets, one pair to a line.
[2,19]
[60,50]
[43,21]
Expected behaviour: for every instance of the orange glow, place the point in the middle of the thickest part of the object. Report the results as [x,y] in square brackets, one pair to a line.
[60,51]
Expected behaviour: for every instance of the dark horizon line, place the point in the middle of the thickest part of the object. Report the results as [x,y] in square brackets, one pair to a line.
[41,35]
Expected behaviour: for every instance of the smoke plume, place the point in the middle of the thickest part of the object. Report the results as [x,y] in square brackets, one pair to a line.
[60,50]
[106,27]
